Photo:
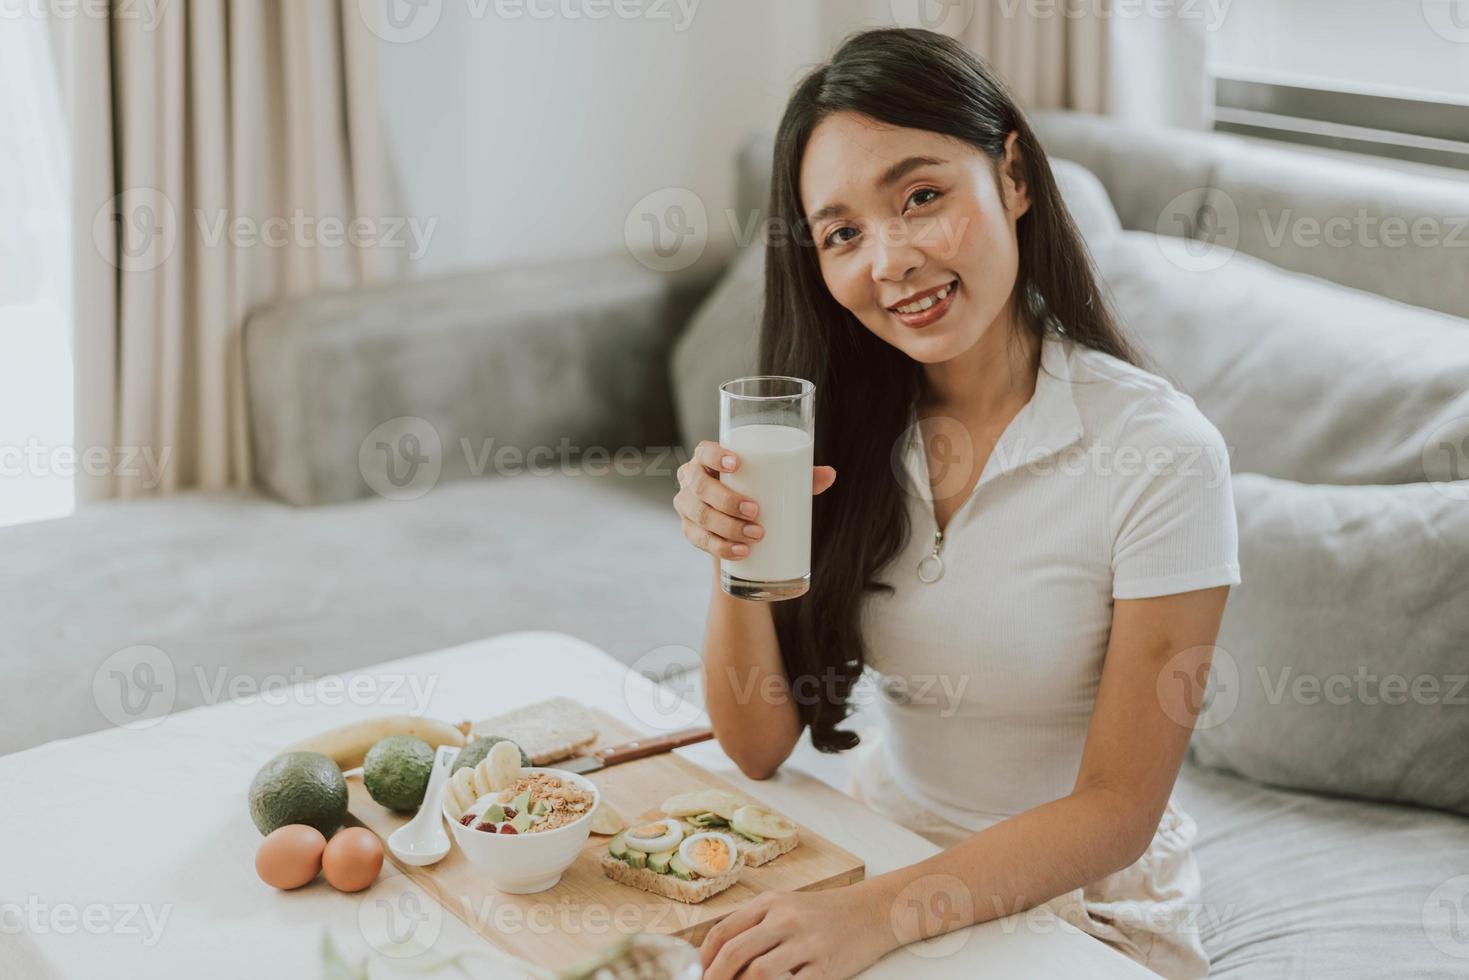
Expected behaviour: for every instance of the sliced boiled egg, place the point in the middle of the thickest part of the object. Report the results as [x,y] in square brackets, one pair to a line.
[652,838]
[708,855]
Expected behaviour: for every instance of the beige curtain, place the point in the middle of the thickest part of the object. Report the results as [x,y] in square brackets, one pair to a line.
[1050,61]
[217,147]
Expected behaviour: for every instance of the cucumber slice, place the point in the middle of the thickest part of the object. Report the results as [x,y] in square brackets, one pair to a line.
[635,859]
[762,823]
[659,862]
[678,869]
[617,847]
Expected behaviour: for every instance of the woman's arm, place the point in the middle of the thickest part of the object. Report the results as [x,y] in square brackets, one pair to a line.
[1151,690]
[745,687]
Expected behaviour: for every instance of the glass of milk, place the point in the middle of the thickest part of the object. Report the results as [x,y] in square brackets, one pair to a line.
[770,424]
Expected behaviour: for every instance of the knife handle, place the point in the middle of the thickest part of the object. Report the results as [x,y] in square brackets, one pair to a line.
[655,745]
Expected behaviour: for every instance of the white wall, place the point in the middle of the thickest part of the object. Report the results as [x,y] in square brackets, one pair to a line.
[532,138]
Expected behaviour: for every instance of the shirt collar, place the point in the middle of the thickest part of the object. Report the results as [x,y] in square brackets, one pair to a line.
[1047,424]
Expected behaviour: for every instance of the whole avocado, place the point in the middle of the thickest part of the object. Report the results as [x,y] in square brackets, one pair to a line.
[299,787]
[396,771]
[477,751]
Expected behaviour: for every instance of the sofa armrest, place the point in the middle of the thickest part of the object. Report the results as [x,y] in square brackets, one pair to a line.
[568,354]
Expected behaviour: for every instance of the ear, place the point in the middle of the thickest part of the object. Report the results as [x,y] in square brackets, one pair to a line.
[1012,177]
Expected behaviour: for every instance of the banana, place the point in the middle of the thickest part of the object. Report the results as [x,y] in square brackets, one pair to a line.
[460,792]
[503,764]
[347,746]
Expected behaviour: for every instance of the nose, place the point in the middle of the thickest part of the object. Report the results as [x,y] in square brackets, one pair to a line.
[894,255]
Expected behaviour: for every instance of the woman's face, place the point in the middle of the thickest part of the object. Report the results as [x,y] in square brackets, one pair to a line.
[904,218]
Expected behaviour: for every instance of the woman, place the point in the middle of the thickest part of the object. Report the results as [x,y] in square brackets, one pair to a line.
[1041,585]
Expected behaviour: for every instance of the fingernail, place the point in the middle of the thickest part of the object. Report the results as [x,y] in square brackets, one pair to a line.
[728,462]
[749,508]
[753,531]
[741,550]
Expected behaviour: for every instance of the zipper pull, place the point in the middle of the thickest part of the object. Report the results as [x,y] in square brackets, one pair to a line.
[931,566]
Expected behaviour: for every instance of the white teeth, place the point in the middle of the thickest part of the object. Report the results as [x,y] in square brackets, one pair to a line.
[926,303]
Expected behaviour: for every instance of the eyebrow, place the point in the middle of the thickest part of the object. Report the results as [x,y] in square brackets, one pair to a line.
[889,177]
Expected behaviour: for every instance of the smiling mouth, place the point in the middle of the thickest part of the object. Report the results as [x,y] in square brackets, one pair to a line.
[926,307]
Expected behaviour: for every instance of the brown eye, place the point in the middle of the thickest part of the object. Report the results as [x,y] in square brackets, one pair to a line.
[912,198]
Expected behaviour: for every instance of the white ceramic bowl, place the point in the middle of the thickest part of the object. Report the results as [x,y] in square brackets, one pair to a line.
[522,864]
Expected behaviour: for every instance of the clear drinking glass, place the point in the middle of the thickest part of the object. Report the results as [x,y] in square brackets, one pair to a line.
[770,423]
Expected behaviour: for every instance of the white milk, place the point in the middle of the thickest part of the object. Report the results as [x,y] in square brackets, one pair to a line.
[774,471]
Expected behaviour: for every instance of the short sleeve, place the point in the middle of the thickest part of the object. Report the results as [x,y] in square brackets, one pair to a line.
[1172,503]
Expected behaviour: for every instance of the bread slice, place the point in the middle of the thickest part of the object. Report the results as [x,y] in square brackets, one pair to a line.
[691,892]
[547,731]
[755,855]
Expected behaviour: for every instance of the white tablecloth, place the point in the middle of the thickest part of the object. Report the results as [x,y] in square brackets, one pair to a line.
[130,852]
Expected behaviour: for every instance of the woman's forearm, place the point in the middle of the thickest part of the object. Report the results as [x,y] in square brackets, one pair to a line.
[745,688]
[1015,865]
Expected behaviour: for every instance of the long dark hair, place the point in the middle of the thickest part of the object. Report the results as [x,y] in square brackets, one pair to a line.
[917,80]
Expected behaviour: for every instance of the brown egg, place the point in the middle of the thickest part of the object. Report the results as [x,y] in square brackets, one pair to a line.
[352,860]
[290,857]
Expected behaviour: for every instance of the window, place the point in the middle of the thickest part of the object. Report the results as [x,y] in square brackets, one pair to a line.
[1389,78]
[36,455]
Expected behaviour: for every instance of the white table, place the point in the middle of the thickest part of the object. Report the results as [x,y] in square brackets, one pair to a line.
[130,852]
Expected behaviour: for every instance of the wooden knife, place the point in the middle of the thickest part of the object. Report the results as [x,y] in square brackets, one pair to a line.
[637,749]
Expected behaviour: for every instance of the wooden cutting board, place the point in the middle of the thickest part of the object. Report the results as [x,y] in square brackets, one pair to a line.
[587,911]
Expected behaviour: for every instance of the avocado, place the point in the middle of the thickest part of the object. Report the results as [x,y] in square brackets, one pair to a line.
[750,837]
[396,771]
[494,813]
[521,803]
[298,787]
[678,869]
[521,822]
[635,859]
[617,847]
[659,862]
[477,751]
[539,808]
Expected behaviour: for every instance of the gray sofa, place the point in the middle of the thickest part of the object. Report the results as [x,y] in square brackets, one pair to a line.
[448,459]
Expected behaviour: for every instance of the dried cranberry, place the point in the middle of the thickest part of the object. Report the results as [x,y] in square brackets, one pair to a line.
[507,829]
[486,826]
[467,819]
[510,813]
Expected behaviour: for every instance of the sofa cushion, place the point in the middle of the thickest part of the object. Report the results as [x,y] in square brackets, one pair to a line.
[1343,661]
[720,343]
[1296,885]
[1305,379]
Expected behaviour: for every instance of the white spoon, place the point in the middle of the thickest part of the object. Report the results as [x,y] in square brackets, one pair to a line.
[423,840]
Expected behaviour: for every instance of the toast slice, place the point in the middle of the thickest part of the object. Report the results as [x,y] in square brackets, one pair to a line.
[547,731]
[757,854]
[680,890]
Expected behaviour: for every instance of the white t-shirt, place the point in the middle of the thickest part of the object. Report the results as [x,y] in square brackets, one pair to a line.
[1109,484]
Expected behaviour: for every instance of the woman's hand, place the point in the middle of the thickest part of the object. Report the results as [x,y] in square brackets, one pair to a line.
[715,518]
[825,935]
